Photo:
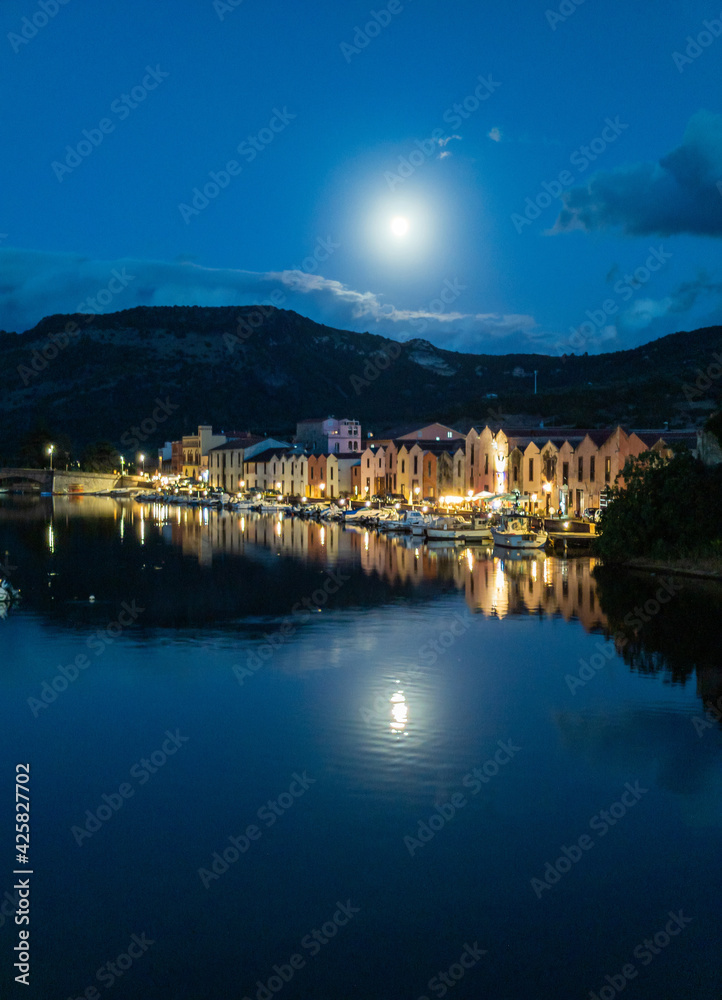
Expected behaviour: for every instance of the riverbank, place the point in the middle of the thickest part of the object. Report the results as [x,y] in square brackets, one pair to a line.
[706,568]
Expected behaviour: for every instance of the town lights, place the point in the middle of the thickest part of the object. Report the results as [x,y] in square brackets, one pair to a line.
[547,487]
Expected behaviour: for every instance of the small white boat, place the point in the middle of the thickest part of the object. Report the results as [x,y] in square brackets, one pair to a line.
[8,593]
[513,533]
[458,530]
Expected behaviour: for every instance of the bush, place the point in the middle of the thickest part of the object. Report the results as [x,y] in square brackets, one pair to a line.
[668,509]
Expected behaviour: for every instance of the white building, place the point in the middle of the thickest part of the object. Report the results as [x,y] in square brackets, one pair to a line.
[337,437]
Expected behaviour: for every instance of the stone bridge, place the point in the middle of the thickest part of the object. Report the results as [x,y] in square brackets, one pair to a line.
[58,481]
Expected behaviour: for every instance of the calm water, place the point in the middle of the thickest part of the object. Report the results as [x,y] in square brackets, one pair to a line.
[327,764]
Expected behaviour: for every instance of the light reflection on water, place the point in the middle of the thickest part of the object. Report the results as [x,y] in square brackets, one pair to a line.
[391,693]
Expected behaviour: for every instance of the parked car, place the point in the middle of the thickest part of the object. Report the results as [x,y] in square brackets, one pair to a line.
[592,514]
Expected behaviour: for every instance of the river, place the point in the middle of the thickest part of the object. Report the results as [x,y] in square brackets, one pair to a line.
[272,756]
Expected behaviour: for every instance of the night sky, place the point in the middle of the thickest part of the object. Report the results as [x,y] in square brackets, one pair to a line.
[486,176]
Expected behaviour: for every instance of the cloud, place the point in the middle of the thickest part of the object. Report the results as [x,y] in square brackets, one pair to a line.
[37,284]
[643,312]
[443,141]
[495,134]
[682,193]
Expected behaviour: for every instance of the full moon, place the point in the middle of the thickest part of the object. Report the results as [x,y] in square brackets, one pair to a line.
[399,226]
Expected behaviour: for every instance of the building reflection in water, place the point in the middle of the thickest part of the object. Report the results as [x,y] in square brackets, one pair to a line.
[496,582]
[499,583]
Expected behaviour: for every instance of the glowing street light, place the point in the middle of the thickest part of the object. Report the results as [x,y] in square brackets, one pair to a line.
[142,463]
[51,449]
[322,487]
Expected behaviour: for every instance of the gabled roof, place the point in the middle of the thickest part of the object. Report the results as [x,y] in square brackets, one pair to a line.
[235,443]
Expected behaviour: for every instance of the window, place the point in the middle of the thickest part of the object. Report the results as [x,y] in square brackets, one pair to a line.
[565,473]
[531,469]
[310,472]
[458,469]
[516,473]
[592,463]
[449,434]
[429,472]
[403,466]
[580,468]
[416,464]
[331,472]
[486,463]
[368,462]
[607,470]
[472,454]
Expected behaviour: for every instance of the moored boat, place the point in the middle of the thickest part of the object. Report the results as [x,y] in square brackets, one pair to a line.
[514,533]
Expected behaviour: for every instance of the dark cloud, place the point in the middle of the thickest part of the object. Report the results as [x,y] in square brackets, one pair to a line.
[682,193]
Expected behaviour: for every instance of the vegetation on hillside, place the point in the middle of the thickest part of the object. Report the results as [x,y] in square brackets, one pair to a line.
[262,369]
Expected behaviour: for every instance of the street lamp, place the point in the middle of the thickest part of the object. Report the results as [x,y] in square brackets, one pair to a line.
[322,486]
[51,449]
[417,490]
[122,465]
[142,463]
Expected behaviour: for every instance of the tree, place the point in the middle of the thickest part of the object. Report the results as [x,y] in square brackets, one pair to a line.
[669,508]
[100,457]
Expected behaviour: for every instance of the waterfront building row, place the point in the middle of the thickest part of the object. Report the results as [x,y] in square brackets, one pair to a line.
[551,468]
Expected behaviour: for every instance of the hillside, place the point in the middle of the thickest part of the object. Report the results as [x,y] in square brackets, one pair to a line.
[238,369]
